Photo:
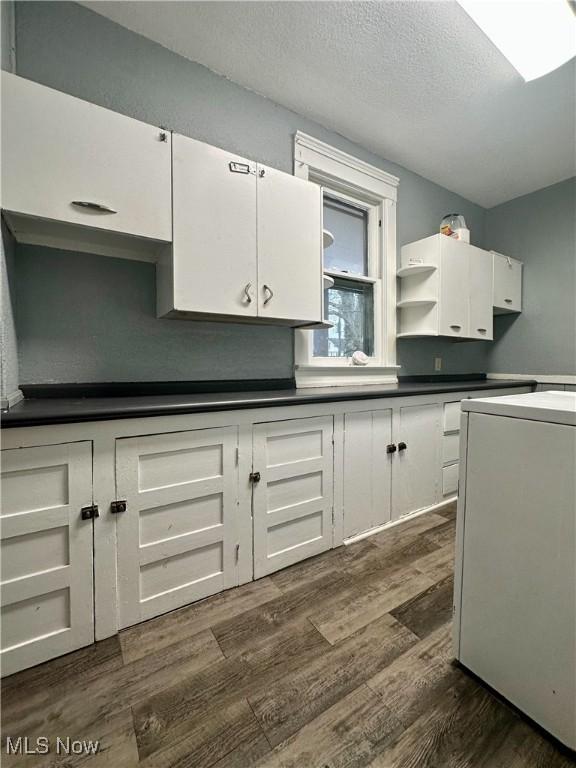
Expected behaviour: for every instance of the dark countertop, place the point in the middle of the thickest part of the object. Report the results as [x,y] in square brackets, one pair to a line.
[52,410]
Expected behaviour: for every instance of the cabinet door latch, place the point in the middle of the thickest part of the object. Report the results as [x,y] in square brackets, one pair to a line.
[402,446]
[89,513]
[118,506]
[391,448]
[254,477]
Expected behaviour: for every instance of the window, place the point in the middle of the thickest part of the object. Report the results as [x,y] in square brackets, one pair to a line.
[359,269]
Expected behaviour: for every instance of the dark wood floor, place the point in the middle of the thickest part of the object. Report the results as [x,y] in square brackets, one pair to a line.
[342,660]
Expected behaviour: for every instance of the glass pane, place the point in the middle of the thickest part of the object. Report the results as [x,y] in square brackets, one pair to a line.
[350,306]
[349,225]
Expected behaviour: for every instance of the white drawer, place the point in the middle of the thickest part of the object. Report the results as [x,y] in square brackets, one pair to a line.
[450,480]
[450,448]
[452,416]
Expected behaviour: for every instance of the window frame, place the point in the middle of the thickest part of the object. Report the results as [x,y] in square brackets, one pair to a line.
[345,177]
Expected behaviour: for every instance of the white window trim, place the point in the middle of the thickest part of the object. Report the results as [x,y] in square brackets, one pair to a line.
[330,167]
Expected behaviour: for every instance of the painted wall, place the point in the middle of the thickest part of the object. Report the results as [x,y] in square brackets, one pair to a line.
[540,230]
[91,335]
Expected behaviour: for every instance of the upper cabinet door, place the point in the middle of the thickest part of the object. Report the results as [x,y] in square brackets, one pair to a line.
[480,275]
[454,288]
[507,284]
[66,160]
[289,247]
[214,230]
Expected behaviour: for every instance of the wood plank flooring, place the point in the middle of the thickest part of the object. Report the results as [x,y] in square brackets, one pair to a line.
[343,660]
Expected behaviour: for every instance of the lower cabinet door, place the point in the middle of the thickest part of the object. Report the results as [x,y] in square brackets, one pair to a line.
[417,467]
[177,539]
[47,591]
[367,470]
[292,501]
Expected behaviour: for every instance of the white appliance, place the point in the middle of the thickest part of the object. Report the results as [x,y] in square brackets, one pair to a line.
[515,586]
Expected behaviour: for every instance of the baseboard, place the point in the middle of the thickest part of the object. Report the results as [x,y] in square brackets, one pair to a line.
[394,523]
[541,378]
[10,401]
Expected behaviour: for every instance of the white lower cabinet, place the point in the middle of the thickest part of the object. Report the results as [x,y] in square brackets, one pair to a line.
[191,505]
[293,491]
[416,466]
[177,538]
[367,470]
[47,553]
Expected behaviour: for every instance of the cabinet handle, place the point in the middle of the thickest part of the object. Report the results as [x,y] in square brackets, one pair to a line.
[481,330]
[247,293]
[456,327]
[391,448]
[270,294]
[98,207]
[402,446]
[508,301]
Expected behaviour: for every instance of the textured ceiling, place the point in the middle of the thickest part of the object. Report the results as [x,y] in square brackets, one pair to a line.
[415,82]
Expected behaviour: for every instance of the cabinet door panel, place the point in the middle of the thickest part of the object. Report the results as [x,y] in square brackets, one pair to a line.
[417,469]
[177,538]
[480,270]
[46,586]
[289,247]
[214,230]
[367,470]
[293,500]
[58,149]
[454,288]
[507,284]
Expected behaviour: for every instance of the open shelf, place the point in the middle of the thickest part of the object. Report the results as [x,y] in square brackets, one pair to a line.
[415,335]
[327,238]
[416,303]
[415,269]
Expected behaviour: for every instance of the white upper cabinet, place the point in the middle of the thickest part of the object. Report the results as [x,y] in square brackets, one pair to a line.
[66,161]
[289,247]
[212,268]
[507,295]
[445,289]
[247,240]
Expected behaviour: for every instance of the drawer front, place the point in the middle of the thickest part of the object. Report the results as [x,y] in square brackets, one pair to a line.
[450,480]
[452,417]
[450,448]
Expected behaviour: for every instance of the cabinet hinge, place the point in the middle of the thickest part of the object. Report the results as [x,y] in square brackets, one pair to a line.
[237,552]
[90,513]
[379,222]
[237,456]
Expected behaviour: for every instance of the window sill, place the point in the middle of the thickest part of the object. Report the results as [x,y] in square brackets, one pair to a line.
[344,375]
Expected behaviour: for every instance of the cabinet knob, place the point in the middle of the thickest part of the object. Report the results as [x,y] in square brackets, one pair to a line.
[402,446]
[391,448]
[254,477]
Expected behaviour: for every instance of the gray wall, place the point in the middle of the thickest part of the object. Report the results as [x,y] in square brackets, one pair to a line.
[540,230]
[70,48]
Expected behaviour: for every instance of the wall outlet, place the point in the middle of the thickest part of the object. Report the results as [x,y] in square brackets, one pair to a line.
[437,363]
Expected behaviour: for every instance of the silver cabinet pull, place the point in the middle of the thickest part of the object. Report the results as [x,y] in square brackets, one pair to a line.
[247,293]
[270,294]
[98,207]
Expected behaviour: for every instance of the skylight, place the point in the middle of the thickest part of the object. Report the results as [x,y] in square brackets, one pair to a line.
[536,36]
